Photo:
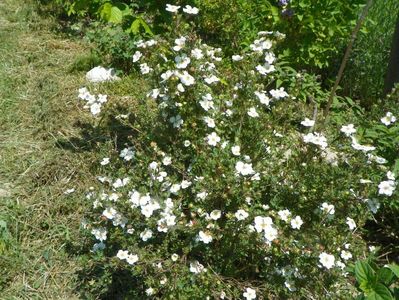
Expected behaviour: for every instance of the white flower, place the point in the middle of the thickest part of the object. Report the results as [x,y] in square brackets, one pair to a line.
[182,61]
[196,267]
[307,122]
[185,184]
[348,130]
[95,108]
[213,139]
[202,195]
[99,233]
[261,223]
[205,237]
[270,57]
[172,8]
[104,161]
[327,260]
[136,56]
[261,44]
[296,223]
[351,223]
[146,235]
[327,208]
[175,188]
[236,57]
[317,139]
[386,187]
[186,78]
[265,69]
[180,42]
[279,93]
[186,143]
[249,294]
[206,102]
[346,255]
[197,53]
[127,154]
[102,98]
[388,119]
[263,98]
[390,175]
[236,150]
[84,94]
[153,165]
[120,182]
[149,291]
[110,213]
[244,168]
[215,214]
[253,113]
[167,160]
[211,79]
[271,233]
[132,259]
[241,214]
[174,257]
[122,254]
[210,122]
[284,214]
[190,10]
[145,69]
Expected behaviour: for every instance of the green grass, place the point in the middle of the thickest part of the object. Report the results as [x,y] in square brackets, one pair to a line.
[38,223]
[47,145]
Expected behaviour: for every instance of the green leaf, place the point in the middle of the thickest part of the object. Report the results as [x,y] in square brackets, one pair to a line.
[116,15]
[380,292]
[364,275]
[135,27]
[111,13]
[385,275]
[137,24]
[147,28]
[394,267]
[105,11]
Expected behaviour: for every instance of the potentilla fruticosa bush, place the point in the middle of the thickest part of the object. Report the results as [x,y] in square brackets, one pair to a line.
[232,193]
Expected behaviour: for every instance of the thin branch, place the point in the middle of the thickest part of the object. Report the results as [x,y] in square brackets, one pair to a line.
[346,56]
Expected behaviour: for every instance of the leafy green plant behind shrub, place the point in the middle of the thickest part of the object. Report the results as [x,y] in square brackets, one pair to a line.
[228,186]
[317,31]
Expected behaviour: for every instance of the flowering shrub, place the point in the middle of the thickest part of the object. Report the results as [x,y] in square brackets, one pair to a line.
[232,190]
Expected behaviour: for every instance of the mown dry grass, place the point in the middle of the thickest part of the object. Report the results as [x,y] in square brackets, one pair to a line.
[38,222]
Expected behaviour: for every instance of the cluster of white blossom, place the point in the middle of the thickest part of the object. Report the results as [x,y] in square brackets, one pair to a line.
[94,103]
